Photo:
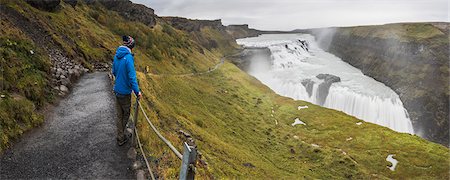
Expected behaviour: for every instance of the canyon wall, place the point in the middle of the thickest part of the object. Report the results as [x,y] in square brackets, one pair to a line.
[412,59]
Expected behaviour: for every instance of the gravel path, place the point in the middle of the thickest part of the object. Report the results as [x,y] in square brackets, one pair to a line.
[77,140]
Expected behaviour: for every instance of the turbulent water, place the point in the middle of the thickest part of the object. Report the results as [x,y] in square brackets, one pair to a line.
[299,69]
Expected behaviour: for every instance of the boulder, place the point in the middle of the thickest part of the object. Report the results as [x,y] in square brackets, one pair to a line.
[63,89]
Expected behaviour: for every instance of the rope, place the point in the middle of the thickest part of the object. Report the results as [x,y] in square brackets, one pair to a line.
[160,135]
[143,154]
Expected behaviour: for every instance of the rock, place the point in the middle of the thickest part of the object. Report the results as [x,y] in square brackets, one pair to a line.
[324,87]
[65,82]
[131,154]
[131,11]
[56,88]
[2,96]
[31,52]
[250,165]
[140,175]
[64,89]
[292,151]
[137,165]
[46,5]
[62,77]
[77,74]
[73,3]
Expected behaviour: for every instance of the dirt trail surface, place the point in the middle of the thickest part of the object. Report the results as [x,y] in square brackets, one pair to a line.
[77,140]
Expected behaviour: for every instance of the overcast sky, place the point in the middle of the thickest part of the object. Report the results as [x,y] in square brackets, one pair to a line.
[297,14]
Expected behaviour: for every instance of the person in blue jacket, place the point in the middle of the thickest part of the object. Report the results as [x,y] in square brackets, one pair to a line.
[125,83]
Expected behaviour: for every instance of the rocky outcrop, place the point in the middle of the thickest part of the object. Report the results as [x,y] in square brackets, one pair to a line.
[50,5]
[192,25]
[46,5]
[412,59]
[131,11]
[241,31]
[324,87]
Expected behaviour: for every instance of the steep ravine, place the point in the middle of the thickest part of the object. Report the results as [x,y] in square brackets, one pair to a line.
[412,59]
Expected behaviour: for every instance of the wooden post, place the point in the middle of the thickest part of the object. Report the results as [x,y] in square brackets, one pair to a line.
[187,170]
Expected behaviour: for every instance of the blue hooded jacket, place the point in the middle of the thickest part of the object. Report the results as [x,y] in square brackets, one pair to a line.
[123,70]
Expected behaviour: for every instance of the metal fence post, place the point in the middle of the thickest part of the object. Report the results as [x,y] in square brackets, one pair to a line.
[188,162]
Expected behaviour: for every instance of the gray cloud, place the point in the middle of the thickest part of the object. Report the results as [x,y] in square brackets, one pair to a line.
[294,14]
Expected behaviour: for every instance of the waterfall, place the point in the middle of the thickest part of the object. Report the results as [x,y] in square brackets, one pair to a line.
[299,69]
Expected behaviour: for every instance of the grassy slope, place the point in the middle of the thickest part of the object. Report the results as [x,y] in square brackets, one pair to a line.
[233,127]
[229,112]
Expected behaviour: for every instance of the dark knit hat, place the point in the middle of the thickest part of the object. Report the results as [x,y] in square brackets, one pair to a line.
[128,41]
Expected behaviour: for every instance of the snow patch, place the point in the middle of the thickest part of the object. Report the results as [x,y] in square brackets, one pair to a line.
[393,161]
[297,121]
[358,123]
[315,145]
[302,107]
[349,139]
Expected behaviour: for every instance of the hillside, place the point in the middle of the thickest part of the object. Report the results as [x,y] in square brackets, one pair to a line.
[241,128]
[411,58]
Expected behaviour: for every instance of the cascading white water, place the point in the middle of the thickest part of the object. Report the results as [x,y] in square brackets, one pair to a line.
[303,71]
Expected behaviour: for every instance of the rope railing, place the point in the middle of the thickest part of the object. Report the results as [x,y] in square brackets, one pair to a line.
[143,153]
[159,134]
[188,158]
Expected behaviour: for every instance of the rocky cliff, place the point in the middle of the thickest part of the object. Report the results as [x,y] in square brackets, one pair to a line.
[191,25]
[242,31]
[127,9]
[412,59]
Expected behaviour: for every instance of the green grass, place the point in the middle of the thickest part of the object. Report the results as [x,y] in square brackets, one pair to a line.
[23,83]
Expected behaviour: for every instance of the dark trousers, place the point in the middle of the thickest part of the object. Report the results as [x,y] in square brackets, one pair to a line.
[123,112]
